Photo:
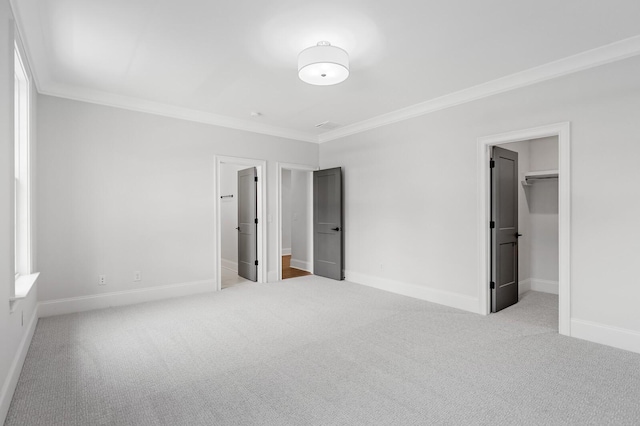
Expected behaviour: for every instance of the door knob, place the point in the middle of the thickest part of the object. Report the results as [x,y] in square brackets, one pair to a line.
[238,228]
[335,229]
[518,235]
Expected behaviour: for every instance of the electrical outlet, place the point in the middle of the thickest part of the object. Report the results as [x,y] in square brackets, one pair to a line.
[102,280]
[137,276]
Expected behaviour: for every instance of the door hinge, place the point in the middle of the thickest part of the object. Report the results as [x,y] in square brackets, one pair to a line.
[492,164]
[492,285]
[255,178]
[256,263]
[256,221]
[492,224]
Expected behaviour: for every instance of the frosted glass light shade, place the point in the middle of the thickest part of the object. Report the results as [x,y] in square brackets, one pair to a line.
[323,65]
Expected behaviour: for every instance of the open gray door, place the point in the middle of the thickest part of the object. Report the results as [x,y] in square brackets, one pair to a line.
[248,224]
[504,228]
[328,240]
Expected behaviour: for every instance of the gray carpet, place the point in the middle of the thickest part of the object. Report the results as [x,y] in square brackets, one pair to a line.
[310,351]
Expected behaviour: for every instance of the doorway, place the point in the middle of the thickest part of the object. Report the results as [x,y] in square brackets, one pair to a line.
[324,228]
[227,173]
[295,220]
[485,148]
[524,225]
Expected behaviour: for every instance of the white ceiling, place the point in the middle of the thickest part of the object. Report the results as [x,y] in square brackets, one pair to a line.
[217,61]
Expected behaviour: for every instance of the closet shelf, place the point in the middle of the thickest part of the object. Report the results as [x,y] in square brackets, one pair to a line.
[531,177]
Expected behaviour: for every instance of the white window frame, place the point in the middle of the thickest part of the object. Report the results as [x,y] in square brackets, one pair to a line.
[24,276]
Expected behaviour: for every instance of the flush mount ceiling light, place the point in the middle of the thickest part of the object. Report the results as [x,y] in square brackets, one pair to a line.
[323,65]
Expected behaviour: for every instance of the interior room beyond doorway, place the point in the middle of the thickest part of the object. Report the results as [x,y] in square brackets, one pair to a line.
[228,225]
[296,223]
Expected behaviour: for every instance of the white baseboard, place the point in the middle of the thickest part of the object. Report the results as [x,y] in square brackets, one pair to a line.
[120,298]
[544,286]
[286,251]
[11,381]
[620,338]
[301,264]
[454,300]
[524,286]
[229,264]
[272,276]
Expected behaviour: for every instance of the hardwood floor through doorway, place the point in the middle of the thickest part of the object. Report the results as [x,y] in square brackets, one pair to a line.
[288,271]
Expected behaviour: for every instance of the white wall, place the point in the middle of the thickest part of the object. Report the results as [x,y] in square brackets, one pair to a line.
[302,232]
[287,214]
[412,195]
[16,329]
[123,191]
[544,154]
[229,215]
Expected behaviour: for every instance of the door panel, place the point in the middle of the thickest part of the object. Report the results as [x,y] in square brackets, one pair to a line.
[328,239]
[504,235]
[247,226]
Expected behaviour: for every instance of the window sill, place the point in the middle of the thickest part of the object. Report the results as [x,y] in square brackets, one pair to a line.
[24,284]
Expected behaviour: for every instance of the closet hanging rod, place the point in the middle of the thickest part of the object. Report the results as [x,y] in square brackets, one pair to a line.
[531,177]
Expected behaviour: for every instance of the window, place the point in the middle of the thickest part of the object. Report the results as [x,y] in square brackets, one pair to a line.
[22,188]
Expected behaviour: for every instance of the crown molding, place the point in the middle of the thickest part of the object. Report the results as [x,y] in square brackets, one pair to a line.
[613,52]
[172,111]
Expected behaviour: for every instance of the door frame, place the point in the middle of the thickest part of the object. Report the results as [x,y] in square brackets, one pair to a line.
[279,168]
[563,132]
[261,190]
